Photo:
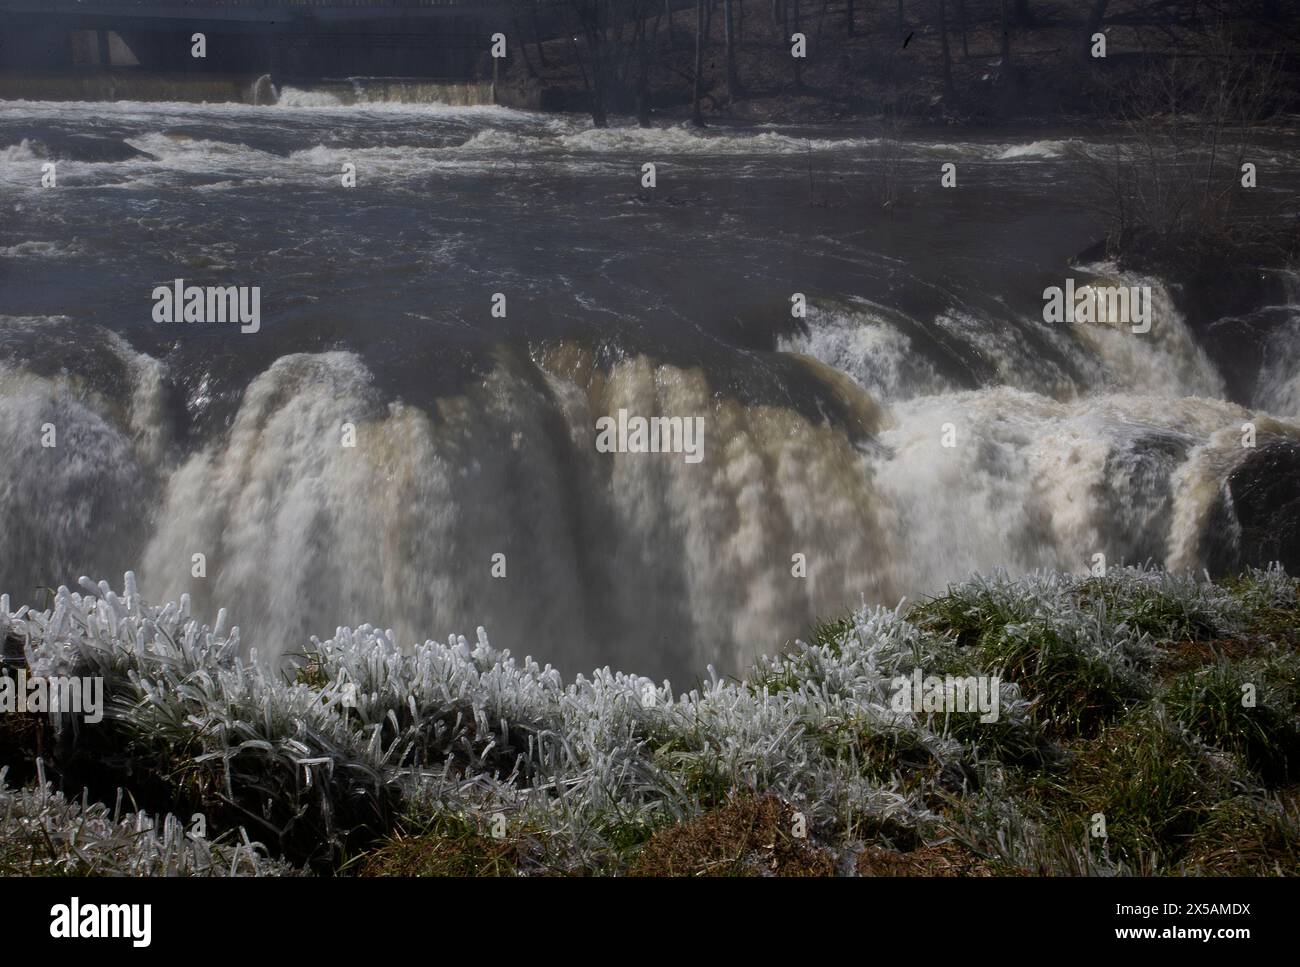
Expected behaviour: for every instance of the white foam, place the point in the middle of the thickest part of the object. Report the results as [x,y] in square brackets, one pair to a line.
[867,344]
[18,153]
[1033,150]
[40,250]
[82,502]
[292,97]
[1278,389]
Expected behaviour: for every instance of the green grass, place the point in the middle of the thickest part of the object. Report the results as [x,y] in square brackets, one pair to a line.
[1121,696]
[1209,702]
[1151,610]
[1154,787]
[1076,692]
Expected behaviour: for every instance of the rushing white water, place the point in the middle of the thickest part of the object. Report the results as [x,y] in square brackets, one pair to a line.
[1278,390]
[618,556]
[1279,383]
[291,97]
[608,557]
[78,458]
[920,424]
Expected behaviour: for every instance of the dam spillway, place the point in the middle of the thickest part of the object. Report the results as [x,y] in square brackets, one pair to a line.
[64,50]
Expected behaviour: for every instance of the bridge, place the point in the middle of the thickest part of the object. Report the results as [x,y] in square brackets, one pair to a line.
[247,11]
[289,39]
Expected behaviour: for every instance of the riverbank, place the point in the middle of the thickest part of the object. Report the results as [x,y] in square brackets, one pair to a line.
[901,63]
[966,61]
[1137,723]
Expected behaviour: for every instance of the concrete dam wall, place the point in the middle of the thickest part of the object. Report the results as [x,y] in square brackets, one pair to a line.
[414,50]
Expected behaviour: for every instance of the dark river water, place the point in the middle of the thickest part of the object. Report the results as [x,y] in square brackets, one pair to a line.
[387,449]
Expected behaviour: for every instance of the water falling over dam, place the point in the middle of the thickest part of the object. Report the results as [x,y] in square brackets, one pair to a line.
[386,448]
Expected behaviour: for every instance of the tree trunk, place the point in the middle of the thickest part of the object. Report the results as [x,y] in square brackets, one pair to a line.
[594,28]
[900,17]
[961,15]
[537,39]
[519,32]
[733,83]
[948,91]
[577,59]
[1006,42]
[697,118]
[646,57]
[848,18]
[598,117]
[1023,17]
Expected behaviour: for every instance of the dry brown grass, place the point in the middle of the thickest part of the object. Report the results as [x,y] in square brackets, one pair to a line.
[747,837]
[944,859]
[450,847]
[1185,655]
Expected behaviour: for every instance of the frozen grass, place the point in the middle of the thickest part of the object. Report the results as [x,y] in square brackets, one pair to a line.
[457,758]
[43,834]
[1208,702]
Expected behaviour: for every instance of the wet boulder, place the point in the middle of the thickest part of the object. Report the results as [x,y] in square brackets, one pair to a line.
[86,148]
[1262,498]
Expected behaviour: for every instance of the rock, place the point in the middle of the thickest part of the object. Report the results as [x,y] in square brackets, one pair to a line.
[1262,498]
[13,654]
[86,147]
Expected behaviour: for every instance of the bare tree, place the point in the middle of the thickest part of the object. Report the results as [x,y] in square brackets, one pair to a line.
[646,46]
[593,20]
[948,90]
[1006,42]
[887,154]
[733,82]
[697,118]
[537,36]
[1168,191]
[523,46]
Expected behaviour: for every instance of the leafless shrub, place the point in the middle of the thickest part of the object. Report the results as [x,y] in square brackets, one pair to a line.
[1170,189]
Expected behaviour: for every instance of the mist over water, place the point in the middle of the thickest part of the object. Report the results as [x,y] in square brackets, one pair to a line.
[475,435]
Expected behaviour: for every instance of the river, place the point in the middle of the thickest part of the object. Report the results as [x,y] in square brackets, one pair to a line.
[394,446]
